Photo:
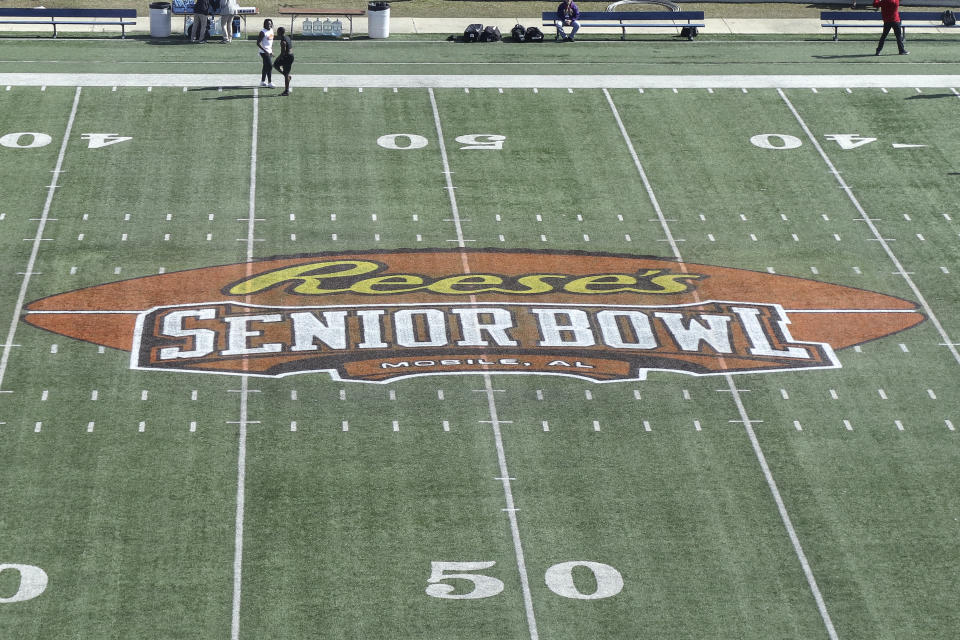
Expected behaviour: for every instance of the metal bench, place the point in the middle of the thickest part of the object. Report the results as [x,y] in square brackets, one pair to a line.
[635,20]
[57,17]
[295,12]
[837,20]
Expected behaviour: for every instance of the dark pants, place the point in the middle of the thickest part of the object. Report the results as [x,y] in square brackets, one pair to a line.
[897,31]
[266,74]
[284,64]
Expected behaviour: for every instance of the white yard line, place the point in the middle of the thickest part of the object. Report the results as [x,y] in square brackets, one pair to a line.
[504,478]
[37,240]
[244,393]
[241,496]
[242,81]
[738,400]
[950,344]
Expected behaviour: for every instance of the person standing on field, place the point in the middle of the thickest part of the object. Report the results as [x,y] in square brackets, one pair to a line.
[228,9]
[284,61]
[201,8]
[265,46]
[890,12]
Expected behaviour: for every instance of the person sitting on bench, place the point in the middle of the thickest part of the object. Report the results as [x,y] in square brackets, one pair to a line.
[568,14]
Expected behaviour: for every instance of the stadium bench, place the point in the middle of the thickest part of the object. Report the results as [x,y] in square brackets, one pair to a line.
[185,8]
[55,17]
[295,12]
[837,20]
[634,20]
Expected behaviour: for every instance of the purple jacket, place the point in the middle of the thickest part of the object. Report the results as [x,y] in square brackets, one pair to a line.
[562,11]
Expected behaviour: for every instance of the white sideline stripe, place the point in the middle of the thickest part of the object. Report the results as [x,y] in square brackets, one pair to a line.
[735,393]
[35,249]
[505,476]
[950,344]
[243,81]
[244,395]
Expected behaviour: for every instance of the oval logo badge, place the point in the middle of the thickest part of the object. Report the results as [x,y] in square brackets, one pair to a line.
[376,317]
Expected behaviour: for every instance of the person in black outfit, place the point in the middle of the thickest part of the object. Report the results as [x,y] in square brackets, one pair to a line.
[201,9]
[284,61]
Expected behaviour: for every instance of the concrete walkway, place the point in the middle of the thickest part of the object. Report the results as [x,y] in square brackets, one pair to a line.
[807,26]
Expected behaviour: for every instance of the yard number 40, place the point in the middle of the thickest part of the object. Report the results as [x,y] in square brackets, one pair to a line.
[559,579]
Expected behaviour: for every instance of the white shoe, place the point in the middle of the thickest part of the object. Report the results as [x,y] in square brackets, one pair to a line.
[263,84]
[270,85]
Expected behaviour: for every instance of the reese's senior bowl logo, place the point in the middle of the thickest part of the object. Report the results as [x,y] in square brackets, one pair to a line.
[380,316]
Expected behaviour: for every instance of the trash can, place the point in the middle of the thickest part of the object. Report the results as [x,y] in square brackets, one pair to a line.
[378,19]
[159,19]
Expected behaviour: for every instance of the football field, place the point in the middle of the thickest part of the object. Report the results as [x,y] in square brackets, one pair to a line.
[527,349]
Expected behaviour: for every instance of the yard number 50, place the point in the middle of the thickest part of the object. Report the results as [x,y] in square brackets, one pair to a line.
[33,582]
[403,141]
[559,579]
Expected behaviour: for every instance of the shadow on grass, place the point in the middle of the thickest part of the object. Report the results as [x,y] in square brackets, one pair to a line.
[848,55]
[932,96]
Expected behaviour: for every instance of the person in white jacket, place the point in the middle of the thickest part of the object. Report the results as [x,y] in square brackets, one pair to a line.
[228,9]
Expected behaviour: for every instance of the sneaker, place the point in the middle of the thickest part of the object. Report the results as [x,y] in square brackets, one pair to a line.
[570,39]
[877,53]
[269,85]
[904,53]
[263,84]
[285,93]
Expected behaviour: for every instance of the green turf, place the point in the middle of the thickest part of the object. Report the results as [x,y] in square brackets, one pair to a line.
[656,54]
[122,485]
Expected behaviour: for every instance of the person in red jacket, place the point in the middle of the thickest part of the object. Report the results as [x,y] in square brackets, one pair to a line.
[890,12]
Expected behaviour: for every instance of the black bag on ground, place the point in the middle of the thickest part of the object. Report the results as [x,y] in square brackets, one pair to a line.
[490,34]
[948,18]
[518,33]
[689,32]
[533,34]
[472,32]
